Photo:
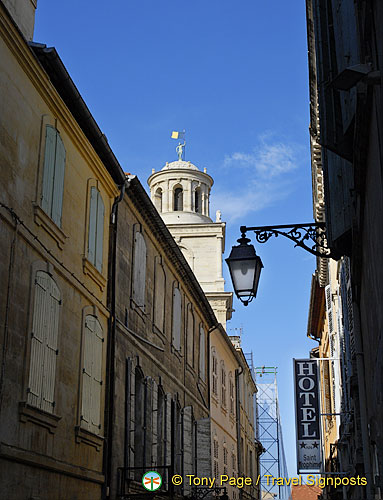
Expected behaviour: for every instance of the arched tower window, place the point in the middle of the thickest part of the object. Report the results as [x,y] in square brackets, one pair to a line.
[178,199]
[197,201]
[158,199]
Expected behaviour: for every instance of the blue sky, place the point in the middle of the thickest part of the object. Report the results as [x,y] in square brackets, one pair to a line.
[233,74]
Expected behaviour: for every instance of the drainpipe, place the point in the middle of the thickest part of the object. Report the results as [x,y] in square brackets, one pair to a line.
[362,400]
[110,360]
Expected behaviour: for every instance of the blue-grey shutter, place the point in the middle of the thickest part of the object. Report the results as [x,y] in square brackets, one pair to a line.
[159,297]
[92,375]
[187,429]
[51,346]
[58,180]
[99,231]
[202,358]
[92,225]
[154,423]
[168,429]
[86,402]
[176,319]
[44,343]
[139,271]
[37,343]
[49,168]
[96,378]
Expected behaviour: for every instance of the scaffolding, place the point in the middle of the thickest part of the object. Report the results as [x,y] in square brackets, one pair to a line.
[269,433]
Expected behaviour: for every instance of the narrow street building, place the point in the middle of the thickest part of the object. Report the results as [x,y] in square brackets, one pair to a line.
[345,42]
[58,179]
[181,193]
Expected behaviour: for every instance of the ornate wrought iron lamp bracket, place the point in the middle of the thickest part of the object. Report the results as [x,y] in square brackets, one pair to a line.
[310,236]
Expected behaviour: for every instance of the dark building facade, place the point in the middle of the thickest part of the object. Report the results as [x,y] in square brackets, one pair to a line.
[345,41]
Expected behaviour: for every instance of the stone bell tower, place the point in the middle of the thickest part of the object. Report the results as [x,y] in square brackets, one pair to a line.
[181,192]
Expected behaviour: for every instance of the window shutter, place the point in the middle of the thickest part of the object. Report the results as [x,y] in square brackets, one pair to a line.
[87,373]
[168,428]
[190,336]
[132,420]
[202,362]
[329,310]
[154,406]
[49,166]
[58,180]
[51,347]
[92,225]
[159,297]
[176,319]
[96,377]
[139,272]
[44,343]
[99,231]
[37,342]
[187,444]
[92,375]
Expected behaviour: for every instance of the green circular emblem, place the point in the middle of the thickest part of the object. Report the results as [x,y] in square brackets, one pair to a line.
[151,480]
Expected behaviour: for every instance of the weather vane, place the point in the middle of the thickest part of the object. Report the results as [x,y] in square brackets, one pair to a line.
[180,149]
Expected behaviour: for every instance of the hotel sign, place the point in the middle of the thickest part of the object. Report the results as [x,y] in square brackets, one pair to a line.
[306,382]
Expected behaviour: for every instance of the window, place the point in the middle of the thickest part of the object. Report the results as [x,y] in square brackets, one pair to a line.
[225,455]
[92,375]
[216,456]
[177,311]
[139,269]
[178,199]
[158,199]
[223,384]
[53,175]
[214,374]
[202,362]
[139,420]
[96,228]
[44,343]
[159,295]
[190,336]
[231,393]
[197,200]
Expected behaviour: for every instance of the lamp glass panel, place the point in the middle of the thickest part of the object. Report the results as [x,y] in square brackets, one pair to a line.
[243,276]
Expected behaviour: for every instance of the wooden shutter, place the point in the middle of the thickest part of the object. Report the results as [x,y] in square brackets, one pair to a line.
[99,231]
[190,336]
[177,318]
[132,419]
[37,343]
[96,377]
[49,167]
[202,361]
[92,225]
[154,407]
[159,297]
[203,449]
[92,375]
[139,271]
[168,428]
[44,343]
[51,347]
[58,180]
[188,468]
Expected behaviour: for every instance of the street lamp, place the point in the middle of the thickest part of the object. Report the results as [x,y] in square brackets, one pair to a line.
[245,269]
[245,265]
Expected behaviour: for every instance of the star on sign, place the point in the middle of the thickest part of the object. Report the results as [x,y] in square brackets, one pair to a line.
[303,445]
[315,444]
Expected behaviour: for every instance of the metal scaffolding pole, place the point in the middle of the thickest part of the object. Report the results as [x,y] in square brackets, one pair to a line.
[269,433]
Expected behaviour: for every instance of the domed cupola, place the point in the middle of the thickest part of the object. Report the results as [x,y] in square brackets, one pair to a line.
[180,192]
